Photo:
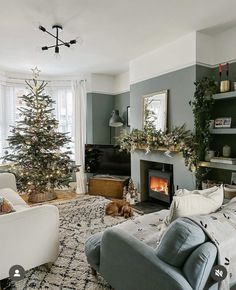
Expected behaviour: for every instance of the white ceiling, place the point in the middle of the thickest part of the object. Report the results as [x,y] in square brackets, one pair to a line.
[113,32]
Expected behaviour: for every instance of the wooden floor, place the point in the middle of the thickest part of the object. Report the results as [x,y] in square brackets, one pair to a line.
[62,195]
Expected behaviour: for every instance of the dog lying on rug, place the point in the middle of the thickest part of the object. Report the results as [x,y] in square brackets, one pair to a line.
[119,208]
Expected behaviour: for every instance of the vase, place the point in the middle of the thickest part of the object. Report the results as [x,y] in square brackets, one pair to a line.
[224,86]
[226,151]
[42,196]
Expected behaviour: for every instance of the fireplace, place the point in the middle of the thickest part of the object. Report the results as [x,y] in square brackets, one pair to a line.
[160,185]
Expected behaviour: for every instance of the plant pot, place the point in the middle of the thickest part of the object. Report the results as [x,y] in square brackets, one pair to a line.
[42,197]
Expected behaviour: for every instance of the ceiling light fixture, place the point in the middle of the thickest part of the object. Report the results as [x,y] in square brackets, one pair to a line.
[59,42]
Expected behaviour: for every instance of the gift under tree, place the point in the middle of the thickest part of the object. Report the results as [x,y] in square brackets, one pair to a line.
[40,154]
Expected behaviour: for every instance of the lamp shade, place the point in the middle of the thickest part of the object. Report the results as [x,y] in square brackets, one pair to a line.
[115,120]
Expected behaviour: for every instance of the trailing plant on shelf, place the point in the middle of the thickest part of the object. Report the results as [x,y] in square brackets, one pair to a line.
[202,105]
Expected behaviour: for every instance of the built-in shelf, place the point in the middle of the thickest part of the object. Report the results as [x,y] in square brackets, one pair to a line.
[222,96]
[223,131]
[217,165]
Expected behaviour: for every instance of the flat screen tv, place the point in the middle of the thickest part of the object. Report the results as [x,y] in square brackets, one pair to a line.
[107,159]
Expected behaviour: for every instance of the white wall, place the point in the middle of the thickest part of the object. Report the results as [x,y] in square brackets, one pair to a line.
[214,48]
[175,55]
[121,83]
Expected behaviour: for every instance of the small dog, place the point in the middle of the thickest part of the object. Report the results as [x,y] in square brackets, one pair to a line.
[119,208]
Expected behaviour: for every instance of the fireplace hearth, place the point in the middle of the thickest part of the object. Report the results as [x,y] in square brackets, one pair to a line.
[160,185]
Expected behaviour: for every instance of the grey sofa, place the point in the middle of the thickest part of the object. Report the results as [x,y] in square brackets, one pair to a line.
[183,260]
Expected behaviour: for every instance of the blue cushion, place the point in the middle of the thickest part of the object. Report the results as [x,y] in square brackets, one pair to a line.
[199,265]
[92,250]
[181,238]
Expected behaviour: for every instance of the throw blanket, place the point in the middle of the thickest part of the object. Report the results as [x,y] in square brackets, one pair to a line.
[221,229]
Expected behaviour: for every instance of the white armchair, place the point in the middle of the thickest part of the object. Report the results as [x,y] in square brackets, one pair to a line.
[29,236]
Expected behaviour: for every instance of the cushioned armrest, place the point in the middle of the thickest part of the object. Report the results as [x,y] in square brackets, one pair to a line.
[127,263]
[31,238]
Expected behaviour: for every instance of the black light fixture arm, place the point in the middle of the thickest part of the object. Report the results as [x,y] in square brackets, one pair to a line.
[56,46]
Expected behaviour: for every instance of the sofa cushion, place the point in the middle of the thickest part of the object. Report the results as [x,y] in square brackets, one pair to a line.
[187,203]
[5,206]
[178,242]
[200,262]
[13,197]
[92,250]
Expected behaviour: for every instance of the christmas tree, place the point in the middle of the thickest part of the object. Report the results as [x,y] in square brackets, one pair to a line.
[40,154]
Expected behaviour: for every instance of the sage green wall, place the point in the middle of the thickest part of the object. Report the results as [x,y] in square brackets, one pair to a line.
[180,84]
[99,109]
[121,102]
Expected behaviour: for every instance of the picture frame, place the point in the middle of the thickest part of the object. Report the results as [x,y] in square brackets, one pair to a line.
[223,122]
[128,116]
[157,104]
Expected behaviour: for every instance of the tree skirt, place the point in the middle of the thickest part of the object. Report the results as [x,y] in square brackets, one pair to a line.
[79,219]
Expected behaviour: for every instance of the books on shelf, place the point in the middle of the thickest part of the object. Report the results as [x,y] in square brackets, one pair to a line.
[225,160]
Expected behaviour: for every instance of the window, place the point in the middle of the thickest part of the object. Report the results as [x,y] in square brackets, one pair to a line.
[10,101]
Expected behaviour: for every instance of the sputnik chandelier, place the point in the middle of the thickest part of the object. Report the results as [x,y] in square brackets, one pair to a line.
[59,42]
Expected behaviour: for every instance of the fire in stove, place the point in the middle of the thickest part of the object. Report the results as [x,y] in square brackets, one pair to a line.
[159,184]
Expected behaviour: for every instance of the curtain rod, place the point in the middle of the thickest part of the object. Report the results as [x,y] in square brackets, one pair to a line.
[12,78]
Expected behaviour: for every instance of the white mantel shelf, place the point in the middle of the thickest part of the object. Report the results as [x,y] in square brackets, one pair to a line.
[223,96]
[223,131]
[217,165]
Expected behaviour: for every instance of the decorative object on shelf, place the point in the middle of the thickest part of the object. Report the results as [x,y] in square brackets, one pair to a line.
[211,124]
[128,116]
[155,103]
[210,183]
[59,42]
[224,85]
[223,122]
[235,85]
[229,191]
[225,160]
[226,151]
[202,106]
[35,147]
[209,154]
[233,178]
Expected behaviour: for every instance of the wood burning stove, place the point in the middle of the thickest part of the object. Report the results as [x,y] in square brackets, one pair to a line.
[160,185]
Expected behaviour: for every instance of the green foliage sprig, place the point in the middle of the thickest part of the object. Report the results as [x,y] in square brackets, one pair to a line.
[178,139]
[202,105]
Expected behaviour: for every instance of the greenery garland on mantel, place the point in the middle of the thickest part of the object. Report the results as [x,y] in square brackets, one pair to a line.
[179,139]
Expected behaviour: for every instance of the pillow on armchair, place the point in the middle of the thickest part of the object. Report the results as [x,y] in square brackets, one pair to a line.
[5,206]
[190,203]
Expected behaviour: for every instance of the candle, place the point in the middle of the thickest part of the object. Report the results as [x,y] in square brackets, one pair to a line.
[227,69]
[220,70]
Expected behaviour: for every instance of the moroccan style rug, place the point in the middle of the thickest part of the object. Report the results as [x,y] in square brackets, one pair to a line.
[79,219]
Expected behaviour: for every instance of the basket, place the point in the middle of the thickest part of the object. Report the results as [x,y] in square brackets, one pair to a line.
[229,191]
[42,197]
[210,183]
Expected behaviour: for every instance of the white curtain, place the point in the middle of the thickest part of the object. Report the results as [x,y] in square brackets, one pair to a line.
[7,114]
[79,95]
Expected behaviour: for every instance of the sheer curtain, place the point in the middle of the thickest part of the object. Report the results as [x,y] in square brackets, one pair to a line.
[8,114]
[79,95]
[9,102]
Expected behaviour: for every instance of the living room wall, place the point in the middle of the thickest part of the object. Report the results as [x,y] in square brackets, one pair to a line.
[180,84]
[99,109]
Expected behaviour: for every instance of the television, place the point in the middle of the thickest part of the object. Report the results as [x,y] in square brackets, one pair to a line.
[107,160]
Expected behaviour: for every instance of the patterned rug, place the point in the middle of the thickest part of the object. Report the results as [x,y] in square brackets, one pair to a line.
[79,219]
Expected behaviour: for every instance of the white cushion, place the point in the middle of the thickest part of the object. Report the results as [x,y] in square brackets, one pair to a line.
[197,202]
[13,197]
